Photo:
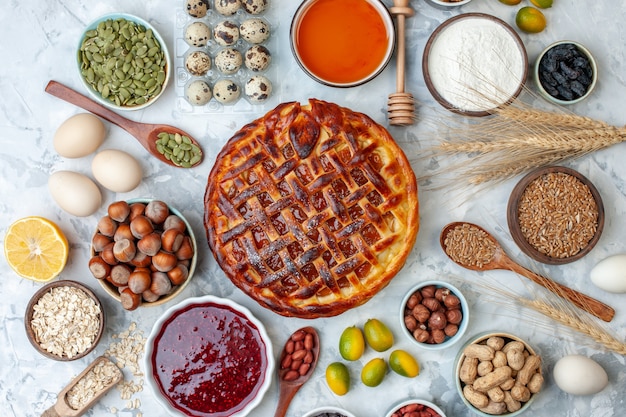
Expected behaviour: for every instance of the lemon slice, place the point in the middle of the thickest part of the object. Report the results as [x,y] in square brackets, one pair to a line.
[36,248]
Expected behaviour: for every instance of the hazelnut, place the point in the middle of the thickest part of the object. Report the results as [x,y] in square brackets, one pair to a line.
[178,274]
[414,300]
[172,239]
[157,211]
[99,268]
[107,254]
[124,250]
[130,300]
[149,297]
[421,334]
[119,275]
[441,293]
[150,244]
[421,313]
[136,209]
[451,329]
[141,260]
[99,241]
[119,211]
[437,320]
[451,301]
[141,226]
[123,232]
[454,316]
[431,303]
[428,291]
[410,322]
[164,261]
[174,222]
[107,226]
[139,280]
[186,250]
[437,336]
[161,284]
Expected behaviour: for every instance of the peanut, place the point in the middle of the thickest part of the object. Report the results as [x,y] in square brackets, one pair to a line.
[494,408]
[477,399]
[492,379]
[496,394]
[520,393]
[515,345]
[515,359]
[533,362]
[469,371]
[484,368]
[495,342]
[481,352]
[535,383]
[499,359]
[512,405]
[508,384]
[298,355]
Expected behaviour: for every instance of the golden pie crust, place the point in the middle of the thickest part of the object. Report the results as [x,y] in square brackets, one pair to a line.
[311,209]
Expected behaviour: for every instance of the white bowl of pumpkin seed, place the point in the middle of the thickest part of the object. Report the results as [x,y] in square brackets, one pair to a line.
[123,62]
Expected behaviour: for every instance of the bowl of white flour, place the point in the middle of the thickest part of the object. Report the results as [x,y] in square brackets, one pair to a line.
[474,63]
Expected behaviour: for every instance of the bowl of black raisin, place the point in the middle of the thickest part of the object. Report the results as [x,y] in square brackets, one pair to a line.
[565,72]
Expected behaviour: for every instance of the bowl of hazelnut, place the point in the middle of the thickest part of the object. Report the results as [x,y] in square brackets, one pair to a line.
[143,252]
[434,314]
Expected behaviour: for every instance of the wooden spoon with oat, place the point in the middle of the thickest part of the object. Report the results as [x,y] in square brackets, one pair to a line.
[75,399]
[474,248]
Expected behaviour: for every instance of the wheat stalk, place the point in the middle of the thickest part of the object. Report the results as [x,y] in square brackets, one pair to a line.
[518,138]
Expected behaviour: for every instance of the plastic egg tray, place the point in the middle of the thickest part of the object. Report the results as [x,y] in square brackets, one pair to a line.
[183,77]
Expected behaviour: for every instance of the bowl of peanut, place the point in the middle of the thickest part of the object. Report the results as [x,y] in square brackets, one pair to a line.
[143,252]
[434,314]
[498,373]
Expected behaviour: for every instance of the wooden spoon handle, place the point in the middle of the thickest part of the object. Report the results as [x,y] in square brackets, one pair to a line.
[284,400]
[71,96]
[580,300]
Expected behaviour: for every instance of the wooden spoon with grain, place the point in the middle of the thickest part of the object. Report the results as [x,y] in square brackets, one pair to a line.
[145,133]
[499,260]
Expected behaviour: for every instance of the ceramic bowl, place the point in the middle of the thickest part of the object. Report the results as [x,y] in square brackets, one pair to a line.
[306,28]
[447,4]
[30,311]
[118,82]
[482,339]
[532,250]
[474,79]
[543,81]
[323,411]
[215,320]
[460,304]
[418,404]
[114,291]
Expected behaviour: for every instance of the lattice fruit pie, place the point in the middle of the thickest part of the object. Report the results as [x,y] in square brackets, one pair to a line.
[311,209]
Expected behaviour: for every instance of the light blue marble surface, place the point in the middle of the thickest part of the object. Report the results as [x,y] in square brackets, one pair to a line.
[38,44]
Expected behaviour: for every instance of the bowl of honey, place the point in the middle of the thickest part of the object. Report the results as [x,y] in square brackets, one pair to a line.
[342,43]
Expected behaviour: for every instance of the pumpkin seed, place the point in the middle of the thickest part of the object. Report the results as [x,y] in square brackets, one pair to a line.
[178,149]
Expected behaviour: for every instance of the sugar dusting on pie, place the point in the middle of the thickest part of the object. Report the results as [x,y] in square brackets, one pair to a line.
[311,209]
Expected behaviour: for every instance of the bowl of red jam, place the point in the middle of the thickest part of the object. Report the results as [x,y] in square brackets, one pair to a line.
[208,357]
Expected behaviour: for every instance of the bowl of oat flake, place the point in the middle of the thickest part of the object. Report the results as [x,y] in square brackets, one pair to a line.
[555,215]
[64,320]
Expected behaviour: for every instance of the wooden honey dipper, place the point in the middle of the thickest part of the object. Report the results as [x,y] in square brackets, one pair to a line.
[401,105]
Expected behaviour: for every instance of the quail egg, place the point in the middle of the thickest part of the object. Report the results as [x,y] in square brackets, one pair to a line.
[258,58]
[197,34]
[226,91]
[227,7]
[254,6]
[198,63]
[258,89]
[228,61]
[226,33]
[254,30]
[197,8]
[198,92]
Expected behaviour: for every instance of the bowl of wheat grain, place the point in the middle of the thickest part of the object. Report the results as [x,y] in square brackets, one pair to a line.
[555,215]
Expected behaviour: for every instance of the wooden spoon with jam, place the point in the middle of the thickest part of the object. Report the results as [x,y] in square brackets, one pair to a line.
[296,365]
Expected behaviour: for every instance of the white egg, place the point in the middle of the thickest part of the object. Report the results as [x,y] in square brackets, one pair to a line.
[579,375]
[116,170]
[610,274]
[75,193]
[79,136]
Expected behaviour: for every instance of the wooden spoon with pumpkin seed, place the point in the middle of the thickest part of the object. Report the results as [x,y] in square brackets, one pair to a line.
[167,143]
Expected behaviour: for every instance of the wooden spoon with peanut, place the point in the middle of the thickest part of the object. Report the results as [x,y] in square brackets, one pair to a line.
[296,365]
[474,248]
